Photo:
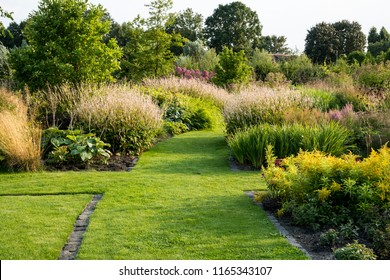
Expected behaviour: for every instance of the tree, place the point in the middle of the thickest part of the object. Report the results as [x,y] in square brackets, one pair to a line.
[4,14]
[5,69]
[232,70]
[276,44]
[378,43]
[66,45]
[321,43]
[326,42]
[373,36]
[384,35]
[159,17]
[147,52]
[234,26]
[188,24]
[350,37]
[15,36]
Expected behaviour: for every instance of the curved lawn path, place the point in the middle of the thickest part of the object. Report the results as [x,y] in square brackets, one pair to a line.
[182,201]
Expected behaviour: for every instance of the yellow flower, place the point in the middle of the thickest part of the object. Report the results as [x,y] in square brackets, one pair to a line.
[335,186]
[323,194]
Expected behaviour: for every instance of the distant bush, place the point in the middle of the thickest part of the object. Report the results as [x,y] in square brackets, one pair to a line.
[300,70]
[126,119]
[249,146]
[19,137]
[183,113]
[374,78]
[232,70]
[263,64]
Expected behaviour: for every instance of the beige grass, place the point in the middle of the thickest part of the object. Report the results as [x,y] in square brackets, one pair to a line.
[19,139]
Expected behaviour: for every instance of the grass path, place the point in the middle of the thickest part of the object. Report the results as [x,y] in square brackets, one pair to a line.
[181,201]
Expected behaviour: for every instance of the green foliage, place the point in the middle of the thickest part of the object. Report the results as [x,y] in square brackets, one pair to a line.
[300,70]
[188,24]
[327,42]
[318,189]
[354,251]
[356,57]
[196,56]
[382,242]
[249,146]
[14,36]
[73,147]
[276,44]
[233,25]
[329,238]
[374,77]
[4,14]
[183,113]
[263,63]
[232,70]
[65,45]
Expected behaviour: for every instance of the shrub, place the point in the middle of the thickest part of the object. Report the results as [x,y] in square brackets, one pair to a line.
[382,242]
[250,145]
[261,105]
[326,190]
[126,119]
[263,64]
[374,78]
[354,251]
[19,137]
[193,113]
[73,147]
[232,69]
[300,70]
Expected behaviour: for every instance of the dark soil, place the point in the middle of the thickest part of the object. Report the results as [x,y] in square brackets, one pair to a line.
[115,163]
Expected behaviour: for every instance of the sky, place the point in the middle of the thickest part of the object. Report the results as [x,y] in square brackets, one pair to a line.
[289,18]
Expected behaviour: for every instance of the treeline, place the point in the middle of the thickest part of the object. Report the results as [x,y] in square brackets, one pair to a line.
[73,41]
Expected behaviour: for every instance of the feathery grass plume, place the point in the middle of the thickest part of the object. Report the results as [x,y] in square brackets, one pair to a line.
[259,105]
[128,120]
[191,87]
[19,139]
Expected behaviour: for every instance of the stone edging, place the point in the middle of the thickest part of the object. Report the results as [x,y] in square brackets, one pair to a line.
[71,248]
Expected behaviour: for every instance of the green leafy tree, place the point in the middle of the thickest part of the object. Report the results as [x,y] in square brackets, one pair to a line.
[66,45]
[373,36]
[159,16]
[147,52]
[14,37]
[234,26]
[4,14]
[276,44]
[263,63]
[384,35]
[233,70]
[188,24]
[326,42]
[350,37]
[321,43]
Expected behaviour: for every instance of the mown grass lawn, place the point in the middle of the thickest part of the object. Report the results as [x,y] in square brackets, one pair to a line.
[181,201]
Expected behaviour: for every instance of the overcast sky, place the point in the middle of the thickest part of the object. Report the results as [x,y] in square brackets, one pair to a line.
[290,18]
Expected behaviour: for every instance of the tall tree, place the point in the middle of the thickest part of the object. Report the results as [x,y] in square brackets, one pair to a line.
[234,26]
[276,44]
[350,37]
[326,42]
[373,36]
[188,24]
[321,43]
[147,52]
[66,45]
[384,35]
